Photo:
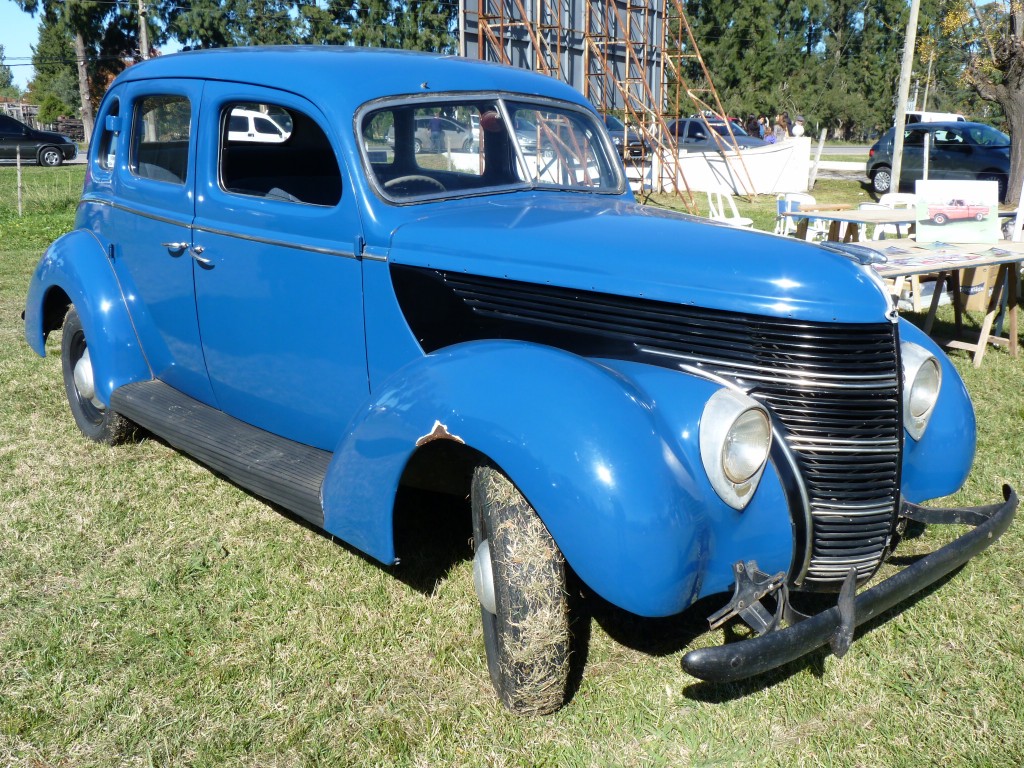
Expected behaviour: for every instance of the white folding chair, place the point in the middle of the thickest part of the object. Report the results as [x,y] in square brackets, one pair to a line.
[721,207]
[787,225]
[894,201]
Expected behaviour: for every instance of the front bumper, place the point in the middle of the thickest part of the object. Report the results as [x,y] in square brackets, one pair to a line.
[747,658]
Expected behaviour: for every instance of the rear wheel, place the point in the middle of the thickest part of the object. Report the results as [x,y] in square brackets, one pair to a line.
[94,419]
[939,218]
[520,579]
[1000,179]
[881,180]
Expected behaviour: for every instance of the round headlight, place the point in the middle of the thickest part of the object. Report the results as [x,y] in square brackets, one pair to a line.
[925,389]
[735,441]
[922,382]
[746,446]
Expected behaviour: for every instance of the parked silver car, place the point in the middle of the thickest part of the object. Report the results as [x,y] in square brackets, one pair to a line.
[956,150]
[695,135]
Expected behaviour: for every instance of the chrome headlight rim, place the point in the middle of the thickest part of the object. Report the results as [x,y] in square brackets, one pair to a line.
[735,443]
[922,384]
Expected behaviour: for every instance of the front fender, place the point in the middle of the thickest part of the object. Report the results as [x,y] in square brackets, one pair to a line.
[76,265]
[621,490]
[938,464]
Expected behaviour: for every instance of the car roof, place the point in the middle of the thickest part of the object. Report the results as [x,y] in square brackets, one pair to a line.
[944,124]
[367,73]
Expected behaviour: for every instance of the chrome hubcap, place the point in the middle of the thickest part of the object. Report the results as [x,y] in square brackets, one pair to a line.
[84,382]
[483,577]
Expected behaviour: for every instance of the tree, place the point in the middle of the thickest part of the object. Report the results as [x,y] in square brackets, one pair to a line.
[55,84]
[989,40]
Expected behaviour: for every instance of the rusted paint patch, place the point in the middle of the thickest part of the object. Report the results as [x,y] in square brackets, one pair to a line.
[438,432]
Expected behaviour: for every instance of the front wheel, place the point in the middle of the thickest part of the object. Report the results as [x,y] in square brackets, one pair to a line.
[94,419]
[520,579]
[939,219]
[881,181]
[50,156]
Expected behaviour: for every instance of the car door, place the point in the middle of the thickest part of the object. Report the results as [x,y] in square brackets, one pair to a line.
[913,155]
[153,168]
[950,156]
[279,286]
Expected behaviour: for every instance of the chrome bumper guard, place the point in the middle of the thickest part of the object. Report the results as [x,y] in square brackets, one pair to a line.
[776,647]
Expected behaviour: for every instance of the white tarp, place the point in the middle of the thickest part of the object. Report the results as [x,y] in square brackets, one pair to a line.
[771,169]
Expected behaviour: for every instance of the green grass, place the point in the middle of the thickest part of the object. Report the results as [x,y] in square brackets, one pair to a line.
[151,613]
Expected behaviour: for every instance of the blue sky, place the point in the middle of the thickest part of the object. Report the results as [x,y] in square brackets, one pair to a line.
[18,33]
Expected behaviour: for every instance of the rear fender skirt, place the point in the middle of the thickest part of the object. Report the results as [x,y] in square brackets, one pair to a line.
[77,264]
[622,492]
[938,464]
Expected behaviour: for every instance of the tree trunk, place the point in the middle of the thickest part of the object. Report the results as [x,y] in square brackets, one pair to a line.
[1013,108]
[83,85]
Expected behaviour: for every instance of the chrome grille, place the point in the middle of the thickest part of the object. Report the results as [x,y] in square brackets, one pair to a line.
[833,388]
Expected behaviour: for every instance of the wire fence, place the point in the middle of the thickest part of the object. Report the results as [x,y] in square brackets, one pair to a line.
[27,189]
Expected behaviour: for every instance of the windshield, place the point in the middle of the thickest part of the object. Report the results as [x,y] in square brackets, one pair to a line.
[423,150]
[721,129]
[988,136]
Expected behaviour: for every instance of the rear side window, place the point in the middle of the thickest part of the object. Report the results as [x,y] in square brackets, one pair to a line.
[277,153]
[107,154]
[160,138]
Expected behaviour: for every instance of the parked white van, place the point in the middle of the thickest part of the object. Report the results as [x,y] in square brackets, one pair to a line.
[934,117]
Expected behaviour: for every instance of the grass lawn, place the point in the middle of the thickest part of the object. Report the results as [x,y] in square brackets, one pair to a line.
[152,613]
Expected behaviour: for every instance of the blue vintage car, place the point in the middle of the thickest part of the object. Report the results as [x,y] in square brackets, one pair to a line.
[668,409]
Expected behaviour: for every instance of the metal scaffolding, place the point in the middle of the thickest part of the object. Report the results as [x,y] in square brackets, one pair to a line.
[635,58]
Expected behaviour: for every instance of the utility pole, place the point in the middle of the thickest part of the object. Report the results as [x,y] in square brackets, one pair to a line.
[904,92]
[143,31]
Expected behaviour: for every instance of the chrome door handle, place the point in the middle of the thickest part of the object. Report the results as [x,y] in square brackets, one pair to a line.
[175,246]
[196,252]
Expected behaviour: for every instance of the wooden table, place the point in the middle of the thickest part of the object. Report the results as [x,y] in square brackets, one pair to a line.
[854,220]
[905,258]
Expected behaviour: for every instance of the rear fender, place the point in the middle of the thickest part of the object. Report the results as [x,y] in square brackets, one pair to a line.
[622,492]
[76,267]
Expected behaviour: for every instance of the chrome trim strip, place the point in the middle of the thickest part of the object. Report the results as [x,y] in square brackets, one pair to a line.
[280,243]
[222,232]
[135,211]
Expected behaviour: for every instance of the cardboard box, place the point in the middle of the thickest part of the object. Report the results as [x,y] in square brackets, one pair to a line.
[976,287]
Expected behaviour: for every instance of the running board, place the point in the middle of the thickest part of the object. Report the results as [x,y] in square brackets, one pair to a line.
[272,467]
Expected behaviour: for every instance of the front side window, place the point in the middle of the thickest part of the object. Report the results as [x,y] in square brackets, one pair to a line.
[277,153]
[160,137]
[416,150]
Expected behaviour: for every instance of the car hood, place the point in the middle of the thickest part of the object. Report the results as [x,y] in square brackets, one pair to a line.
[591,243]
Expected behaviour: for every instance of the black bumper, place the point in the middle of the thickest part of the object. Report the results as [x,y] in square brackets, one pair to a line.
[751,657]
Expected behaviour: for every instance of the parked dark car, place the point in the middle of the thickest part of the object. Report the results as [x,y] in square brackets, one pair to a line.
[636,405]
[956,150]
[630,144]
[43,147]
[694,135]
